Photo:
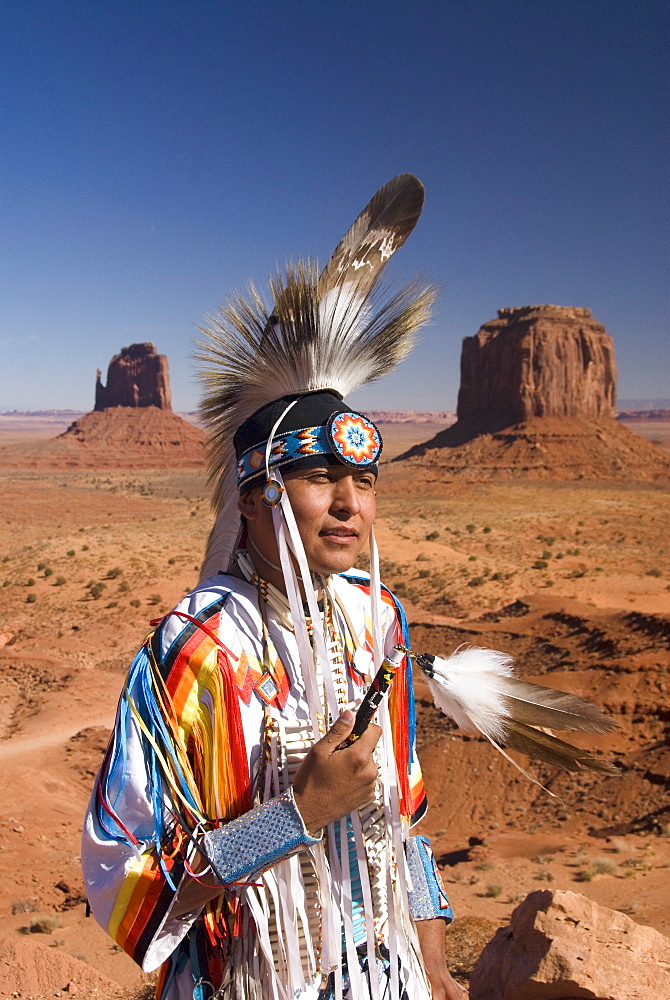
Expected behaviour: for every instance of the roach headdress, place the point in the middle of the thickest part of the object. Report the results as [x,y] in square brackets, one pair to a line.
[317,333]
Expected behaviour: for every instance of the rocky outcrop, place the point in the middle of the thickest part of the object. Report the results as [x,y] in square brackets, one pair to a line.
[536,361]
[536,401]
[137,377]
[562,945]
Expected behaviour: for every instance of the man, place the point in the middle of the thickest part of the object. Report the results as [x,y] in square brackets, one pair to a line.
[232,838]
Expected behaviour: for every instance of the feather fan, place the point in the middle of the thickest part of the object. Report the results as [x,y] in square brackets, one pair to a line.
[335,330]
[476,688]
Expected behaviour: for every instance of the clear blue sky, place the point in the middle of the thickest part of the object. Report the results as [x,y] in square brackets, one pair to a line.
[154,155]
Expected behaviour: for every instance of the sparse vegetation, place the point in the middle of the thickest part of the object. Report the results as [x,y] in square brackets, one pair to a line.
[46,923]
[31,598]
[135,603]
[155,599]
[59,581]
[432,535]
[24,906]
[48,571]
[540,564]
[599,866]
[112,574]
[493,891]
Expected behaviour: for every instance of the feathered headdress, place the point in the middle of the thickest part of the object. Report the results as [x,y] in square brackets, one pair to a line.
[336,330]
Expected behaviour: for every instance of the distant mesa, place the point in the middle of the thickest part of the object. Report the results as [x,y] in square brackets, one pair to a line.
[131,427]
[536,361]
[136,377]
[536,400]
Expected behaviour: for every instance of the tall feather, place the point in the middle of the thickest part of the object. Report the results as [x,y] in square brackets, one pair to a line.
[476,689]
[338,330]
[380,229]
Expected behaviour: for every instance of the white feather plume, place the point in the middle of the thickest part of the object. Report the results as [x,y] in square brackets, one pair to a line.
[463,687]
[477,689]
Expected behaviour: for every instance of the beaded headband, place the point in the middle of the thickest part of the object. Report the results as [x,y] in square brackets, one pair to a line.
[348,436]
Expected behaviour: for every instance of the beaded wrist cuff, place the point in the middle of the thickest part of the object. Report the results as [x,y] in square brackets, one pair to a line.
[271,832]
[427,898]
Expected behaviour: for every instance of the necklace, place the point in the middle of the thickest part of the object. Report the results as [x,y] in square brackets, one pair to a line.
[264,558]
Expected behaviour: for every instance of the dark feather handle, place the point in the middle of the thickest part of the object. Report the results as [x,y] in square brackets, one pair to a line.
[375,694]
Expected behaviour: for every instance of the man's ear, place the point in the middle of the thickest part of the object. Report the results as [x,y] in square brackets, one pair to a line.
[247,504]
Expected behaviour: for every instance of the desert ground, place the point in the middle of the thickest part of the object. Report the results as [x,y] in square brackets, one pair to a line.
[572,579]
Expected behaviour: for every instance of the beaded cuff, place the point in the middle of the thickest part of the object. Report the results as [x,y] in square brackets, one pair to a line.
[427,898]
[245,847]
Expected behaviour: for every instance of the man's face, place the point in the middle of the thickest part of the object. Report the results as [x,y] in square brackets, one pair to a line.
[334,508]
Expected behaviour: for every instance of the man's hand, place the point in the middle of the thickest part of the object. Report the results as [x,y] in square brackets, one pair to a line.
[431,938]
[331,783]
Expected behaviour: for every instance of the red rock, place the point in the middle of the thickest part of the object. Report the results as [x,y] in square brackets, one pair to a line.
[138,376]
[536,361]
[562,946]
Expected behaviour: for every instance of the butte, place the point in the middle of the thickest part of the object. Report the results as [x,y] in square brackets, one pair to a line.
[131,427]
[536,401]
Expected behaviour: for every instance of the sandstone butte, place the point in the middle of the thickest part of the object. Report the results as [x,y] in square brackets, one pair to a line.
[559,944]
[137,377]
[131,427]
[536,400]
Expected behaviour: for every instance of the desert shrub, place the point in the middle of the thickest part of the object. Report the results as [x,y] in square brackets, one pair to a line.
[486,529]
[493,891]
[30,582]
[424,573]
[31,598]
[59,581]
[546,554]
[155,599]
[135,603]
[432,535]
[96,589]
[48,571]
[497,575]
[24,906]
[544,876]
[6,583]
[654,572]
[112,604]
[171,561]
[124,586]
[113,573]
[46,923]
[470,528]
[476,581]
[472,558]
[539,564]
[422,557]
[599,866]
[70,552]
[484,866]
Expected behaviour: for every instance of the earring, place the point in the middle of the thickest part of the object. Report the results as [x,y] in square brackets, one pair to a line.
[272,493]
